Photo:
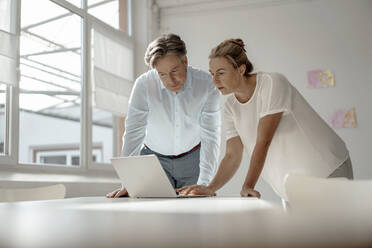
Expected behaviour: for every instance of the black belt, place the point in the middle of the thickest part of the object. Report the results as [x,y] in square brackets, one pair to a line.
[179,155]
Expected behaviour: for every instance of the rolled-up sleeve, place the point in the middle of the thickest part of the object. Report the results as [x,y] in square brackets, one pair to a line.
[210,123]
[136,120]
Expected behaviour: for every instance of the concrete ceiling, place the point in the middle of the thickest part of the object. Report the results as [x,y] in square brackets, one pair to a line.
[192,3]
[175,6]
[181,3]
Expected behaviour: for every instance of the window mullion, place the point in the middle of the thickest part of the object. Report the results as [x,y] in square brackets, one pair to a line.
[12,98]
[69,6]
[86,112]
[84,5]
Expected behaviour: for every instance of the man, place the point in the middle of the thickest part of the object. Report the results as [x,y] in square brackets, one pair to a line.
[174,113]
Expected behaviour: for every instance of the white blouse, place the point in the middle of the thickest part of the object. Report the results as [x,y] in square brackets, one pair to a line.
[303,142]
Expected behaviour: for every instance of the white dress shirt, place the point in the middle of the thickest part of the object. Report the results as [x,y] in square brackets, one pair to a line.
[173,123]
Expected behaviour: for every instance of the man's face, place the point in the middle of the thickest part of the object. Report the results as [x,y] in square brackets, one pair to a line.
[172,72]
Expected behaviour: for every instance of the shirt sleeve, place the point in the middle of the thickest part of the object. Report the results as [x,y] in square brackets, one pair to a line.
[275,95]
[229,122]
[136,121]
[210,123]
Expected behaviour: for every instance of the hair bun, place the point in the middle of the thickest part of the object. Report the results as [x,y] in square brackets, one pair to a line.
[233,50]
[238,42]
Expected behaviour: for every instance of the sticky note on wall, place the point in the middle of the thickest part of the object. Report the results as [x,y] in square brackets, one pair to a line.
[344,118]
[320,79]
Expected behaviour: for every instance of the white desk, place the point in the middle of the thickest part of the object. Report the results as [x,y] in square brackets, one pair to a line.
[203,222]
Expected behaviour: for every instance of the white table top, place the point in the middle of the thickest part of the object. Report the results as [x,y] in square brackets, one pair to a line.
[197,222]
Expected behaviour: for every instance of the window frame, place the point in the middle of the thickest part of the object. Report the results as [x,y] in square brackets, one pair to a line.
[10,156]
[11,160]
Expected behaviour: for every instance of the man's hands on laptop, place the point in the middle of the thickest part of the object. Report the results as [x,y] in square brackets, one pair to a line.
[122,192]
[196,190]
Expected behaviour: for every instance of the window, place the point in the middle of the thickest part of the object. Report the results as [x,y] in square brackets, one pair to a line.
[103,132]
[8,65]
[5,15]
[50,83]
[62,154]
[2,117]
[54,89]
[107,11]
[112,82]
[120,70]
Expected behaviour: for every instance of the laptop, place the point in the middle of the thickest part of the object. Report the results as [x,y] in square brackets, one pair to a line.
[144,177]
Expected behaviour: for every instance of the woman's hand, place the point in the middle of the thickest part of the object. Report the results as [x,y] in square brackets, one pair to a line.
[122,192]
[196,190]
[249,192]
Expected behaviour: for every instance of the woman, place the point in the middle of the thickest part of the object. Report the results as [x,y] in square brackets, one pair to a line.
[271,120]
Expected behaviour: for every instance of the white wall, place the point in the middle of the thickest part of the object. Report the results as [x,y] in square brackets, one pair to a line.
[292,38]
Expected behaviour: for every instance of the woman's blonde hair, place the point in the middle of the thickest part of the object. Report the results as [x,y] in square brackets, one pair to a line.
[233,50]
[164,45]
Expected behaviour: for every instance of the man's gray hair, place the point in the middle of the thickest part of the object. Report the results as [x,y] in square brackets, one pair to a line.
[167,44]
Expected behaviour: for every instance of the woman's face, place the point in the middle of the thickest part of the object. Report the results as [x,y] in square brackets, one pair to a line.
[225,76]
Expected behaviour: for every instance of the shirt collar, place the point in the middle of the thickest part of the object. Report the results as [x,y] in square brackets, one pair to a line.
[187,84]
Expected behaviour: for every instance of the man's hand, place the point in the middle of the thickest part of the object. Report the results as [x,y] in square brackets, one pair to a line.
[122,192]
[195,190]
[249,192]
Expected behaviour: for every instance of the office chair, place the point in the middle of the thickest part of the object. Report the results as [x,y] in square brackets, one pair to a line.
[57,191]
[328,194]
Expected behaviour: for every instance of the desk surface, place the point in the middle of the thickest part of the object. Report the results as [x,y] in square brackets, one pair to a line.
[202,222]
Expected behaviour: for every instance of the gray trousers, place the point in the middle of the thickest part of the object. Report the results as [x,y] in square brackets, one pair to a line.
[181,171]
[344,170]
